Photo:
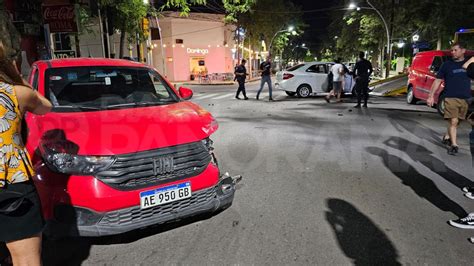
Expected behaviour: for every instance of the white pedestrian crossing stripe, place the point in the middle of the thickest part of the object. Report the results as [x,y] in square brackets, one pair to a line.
[224,96]
[206,96]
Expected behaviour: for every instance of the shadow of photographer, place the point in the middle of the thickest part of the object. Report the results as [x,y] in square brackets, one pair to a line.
[359,238]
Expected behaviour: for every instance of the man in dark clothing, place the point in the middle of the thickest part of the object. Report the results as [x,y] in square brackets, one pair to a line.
[240,75]
[457,90]
[266,67]
[468,221]
[362,72]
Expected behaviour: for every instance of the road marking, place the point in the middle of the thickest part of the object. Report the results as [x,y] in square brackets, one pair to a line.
[223,96]
[206,96]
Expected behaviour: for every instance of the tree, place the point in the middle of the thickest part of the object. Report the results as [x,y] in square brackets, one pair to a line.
[232,7]
[128,15]
[266,18]
[9,35]
[434,21]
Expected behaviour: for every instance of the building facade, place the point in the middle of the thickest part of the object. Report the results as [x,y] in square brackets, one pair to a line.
[181,48]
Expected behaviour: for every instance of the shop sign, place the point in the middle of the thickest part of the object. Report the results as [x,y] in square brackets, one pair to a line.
[61,18]
[197,51]
[64,54]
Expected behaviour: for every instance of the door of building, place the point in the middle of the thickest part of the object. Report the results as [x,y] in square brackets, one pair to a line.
[197,67]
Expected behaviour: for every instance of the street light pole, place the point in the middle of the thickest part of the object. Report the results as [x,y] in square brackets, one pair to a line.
[290,29]
[389,50]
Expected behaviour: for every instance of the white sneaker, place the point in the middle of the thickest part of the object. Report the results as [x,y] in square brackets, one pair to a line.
[469,192]
[465,223]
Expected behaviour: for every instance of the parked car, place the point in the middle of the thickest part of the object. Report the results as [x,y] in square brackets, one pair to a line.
[308,79]
[121,149]
[422,74]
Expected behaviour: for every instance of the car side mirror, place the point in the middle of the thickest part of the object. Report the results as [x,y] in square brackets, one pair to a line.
[185,93]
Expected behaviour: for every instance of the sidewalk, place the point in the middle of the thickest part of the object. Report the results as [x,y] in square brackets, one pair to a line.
[212,83]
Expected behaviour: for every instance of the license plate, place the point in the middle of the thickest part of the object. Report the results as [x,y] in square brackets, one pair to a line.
[165,195]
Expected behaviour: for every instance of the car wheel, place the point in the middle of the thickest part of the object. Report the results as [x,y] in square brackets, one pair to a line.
[411,99]
[290,93]
[441,104]
[303,91]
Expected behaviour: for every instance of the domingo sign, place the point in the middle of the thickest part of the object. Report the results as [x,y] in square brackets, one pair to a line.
[197,51]
[60,18]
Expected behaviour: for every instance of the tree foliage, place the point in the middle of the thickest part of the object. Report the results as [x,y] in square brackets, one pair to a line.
[232,7]
[266,18]
[434,21]
[9,36]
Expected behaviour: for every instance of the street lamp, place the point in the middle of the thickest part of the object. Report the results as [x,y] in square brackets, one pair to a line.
[389,51]
[415,38]
[290,29]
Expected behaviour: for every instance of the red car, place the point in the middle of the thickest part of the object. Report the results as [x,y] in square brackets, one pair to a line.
[121,149]
[422,73]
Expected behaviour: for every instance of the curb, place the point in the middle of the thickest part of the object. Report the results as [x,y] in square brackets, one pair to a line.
[211,84]
[395,92]
[378,82]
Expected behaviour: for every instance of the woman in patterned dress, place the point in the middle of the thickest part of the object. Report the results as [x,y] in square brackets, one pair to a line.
[21,228]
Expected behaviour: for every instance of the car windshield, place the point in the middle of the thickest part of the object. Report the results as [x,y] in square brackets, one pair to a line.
[99,87]
[293,68]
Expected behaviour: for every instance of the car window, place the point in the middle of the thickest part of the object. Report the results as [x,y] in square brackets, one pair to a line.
[159,85]
[293,68]
[98,87]
[436,64]
[316,69]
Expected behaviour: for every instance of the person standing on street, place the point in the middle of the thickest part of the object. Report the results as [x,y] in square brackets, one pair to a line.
[457,90]
[241,75]
[21,223]
[362,71]
[265,68]
[337,71]
[468,221]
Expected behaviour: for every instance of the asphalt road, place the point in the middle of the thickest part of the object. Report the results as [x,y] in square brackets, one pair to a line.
[323,184]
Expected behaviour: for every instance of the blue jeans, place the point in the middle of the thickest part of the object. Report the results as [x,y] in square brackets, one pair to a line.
[268,80]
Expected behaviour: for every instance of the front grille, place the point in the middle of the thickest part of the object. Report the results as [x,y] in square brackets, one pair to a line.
[145,169]
[135,214]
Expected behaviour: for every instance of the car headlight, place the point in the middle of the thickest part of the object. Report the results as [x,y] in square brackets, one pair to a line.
[66,163]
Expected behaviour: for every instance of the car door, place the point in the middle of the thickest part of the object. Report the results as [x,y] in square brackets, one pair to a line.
[317,77]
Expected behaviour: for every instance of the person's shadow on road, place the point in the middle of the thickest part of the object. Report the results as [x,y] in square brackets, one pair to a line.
[359,238]
[421,185]
[425,157]
[415,128]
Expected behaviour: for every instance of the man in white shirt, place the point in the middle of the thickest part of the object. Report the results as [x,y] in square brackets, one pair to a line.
[337,71]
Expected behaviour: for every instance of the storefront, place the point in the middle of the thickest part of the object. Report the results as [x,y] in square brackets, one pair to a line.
[199,46]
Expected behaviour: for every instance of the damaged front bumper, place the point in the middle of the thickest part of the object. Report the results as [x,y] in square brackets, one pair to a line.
[90,223]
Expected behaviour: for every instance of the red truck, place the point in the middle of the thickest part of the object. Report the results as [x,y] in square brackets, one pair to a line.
[121,150]
[422,73]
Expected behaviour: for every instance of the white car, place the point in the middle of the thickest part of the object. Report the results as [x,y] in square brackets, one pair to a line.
[308,79]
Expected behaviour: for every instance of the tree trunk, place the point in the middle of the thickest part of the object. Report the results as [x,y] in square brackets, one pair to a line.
[439,42]
[78,46]
[122,40]
[389,45]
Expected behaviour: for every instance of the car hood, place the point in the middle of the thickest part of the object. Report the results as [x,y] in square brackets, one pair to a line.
[123,131]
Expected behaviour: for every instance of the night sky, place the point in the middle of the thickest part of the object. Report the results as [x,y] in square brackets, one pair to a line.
[316,14]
